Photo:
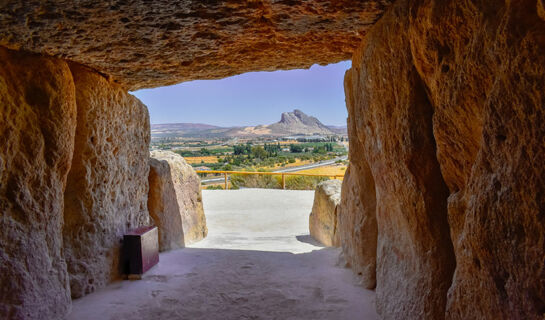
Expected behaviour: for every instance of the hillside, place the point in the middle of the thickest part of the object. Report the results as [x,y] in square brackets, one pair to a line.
[297,122]
[291,123]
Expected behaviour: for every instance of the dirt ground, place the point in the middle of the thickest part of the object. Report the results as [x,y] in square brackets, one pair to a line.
[258,262]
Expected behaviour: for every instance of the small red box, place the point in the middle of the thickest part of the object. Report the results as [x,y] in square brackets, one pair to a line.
[141,249]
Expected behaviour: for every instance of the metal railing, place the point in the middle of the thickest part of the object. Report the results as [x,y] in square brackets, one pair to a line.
[284,174]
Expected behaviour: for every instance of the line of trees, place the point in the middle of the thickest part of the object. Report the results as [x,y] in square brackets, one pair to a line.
[260,152]
[297,148]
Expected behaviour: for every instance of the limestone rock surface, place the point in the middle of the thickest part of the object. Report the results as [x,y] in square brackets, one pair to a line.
[323,218]
[181,198]
[107,187]
[37,127]
[163,206]
[356,216]
[448,103]
[156,43]
[415,257]
[484,68]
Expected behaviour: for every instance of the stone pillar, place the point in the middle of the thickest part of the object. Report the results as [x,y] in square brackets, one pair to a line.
[393,116]
[357,226]
[107,186]
[484,69]
[175,200]
[37,127]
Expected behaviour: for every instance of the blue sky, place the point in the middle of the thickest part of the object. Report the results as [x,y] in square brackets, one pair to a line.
[252,98]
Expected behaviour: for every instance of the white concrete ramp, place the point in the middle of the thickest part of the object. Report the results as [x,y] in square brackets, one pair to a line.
[257,262]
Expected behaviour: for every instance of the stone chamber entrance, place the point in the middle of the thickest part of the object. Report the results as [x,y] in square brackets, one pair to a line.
[444,197]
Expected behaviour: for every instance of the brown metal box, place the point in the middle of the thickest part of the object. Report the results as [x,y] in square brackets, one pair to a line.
[141,250]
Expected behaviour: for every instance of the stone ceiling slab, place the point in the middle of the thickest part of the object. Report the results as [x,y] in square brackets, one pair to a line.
[143,43]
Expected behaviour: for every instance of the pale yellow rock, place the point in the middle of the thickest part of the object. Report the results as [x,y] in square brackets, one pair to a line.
[356,218]
[37,127]
[393,115]
[448,101]
[107,186]
[323,218]
[484,69]
[163,206]
[181,197]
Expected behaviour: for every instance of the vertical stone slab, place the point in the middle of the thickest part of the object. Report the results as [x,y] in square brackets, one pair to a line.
[415,258]
[323,217]
[184,202]
[357,223]
[163,206]
[107,185]
[484,67]
[37,126]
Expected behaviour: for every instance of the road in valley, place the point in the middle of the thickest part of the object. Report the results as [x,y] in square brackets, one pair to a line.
[291,169]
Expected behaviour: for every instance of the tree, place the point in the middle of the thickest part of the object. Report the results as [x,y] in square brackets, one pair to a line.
[294,148]
[259,152]
[239,149]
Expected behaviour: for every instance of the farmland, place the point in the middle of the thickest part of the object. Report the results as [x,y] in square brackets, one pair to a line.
[327,170]
[202,159]
[252,155]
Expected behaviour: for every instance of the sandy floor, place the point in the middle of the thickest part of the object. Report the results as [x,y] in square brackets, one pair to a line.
[258,262]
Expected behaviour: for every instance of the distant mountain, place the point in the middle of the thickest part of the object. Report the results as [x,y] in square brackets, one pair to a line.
[338,129]
[297,122]
[182,127]
[164,130]
[291,123]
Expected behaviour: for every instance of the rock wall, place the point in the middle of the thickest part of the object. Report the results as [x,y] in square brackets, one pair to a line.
[486,83]
[448,102]
[37,126]
[323,218]
[155,43]
[415,258]
[107,187]
[357,223]
[183,199]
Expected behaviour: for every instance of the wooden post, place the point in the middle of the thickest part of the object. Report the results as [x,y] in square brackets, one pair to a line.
[283,181]
[226,183]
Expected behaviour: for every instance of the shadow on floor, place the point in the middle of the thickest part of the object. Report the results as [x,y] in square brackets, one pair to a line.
[310,240]
[194,283]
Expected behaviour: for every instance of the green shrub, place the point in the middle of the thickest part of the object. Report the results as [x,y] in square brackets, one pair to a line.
[254,181]
[275,182]
[303,182]
[216,187]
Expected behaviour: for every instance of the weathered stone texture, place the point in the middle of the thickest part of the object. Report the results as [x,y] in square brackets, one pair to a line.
[467,76]
[163,206]
[155,43]
[181,204]
[541,9]
[323,218]
[357,223]
[107,185]
[484,68]
[37,126]
[415,258]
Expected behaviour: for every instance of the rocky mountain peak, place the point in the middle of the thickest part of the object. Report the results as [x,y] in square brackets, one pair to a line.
[297,122]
